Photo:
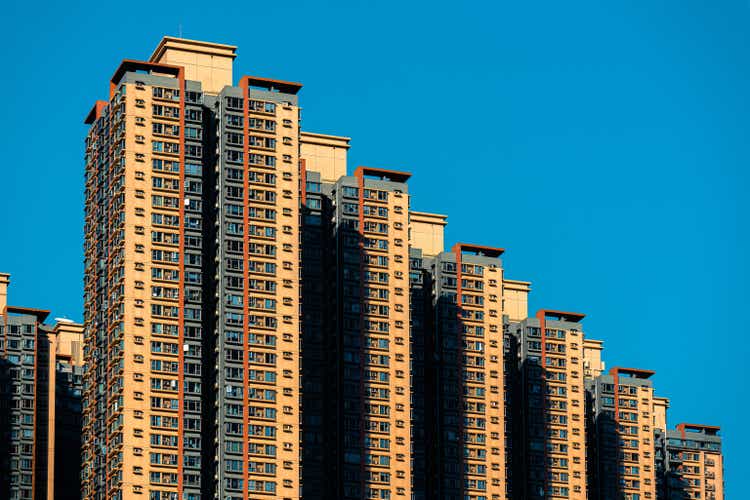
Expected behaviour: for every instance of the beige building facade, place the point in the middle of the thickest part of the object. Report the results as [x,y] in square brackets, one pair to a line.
[427,232]
[695,462]
[469,453]
[156,371]
[551,407]
[372,221]
[261,324]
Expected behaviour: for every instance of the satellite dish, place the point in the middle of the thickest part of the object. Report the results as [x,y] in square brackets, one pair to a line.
[64,320]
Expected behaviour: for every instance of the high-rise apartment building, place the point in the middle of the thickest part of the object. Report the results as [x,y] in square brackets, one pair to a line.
[622,444]
[515,309]
[318,345]
[371,222]
[41,369]
[469,438]
[426,239]
[661,405]
[323,162]
[192,281]
[695,465]
[143,293]
[260,324]
[551,459]
[197,191]
[258,246]
[462,386]
[420,305]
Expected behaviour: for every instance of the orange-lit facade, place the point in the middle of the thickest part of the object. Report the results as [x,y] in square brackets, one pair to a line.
[192,281]
[623,427]
[695,464]
[469,441]
[258,246]
[372,296]
[551,459]
[135,288]
[260,324]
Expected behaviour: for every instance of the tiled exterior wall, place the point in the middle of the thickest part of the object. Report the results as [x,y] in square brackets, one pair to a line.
[258,324]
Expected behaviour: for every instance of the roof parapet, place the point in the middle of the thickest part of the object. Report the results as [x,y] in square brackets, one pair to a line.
[710,430]
[133,65]
[195,46]
[271,84]
[631,372]
[41,314]
[477,250]
[428,218]
[337,141]
[384,174]
[571,317]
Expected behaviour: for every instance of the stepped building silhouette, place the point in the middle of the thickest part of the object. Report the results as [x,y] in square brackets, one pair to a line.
[262,322]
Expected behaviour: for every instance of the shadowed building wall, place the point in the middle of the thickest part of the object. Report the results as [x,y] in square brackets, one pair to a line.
[695,464]
[552,456]
[469,450]
[41,369]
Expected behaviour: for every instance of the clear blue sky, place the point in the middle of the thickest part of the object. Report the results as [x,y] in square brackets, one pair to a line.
[604,146]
